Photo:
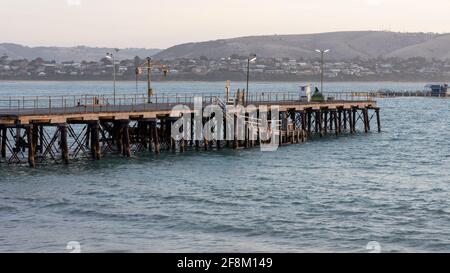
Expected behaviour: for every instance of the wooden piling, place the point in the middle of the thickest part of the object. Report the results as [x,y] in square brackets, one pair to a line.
[192,131]
[41,138]
[88,135]
[319,121]
[303,116]
[182,146]
[31,151]
[156,138]
[246,132]
[235,140]
[377,112]
[63,144]
[3,144]
[35,136]
[206,144]
[354,109]
[336,123]
[95,141]
[118,134]
[331,121]
[344,112]
[350,121]
[309,122]
[150,135]
[142,132]
[365,120]
[316,121]
[19,138]
[197,145]
[126,138]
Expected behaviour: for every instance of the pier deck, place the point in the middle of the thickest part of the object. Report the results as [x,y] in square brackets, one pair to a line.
[41,129]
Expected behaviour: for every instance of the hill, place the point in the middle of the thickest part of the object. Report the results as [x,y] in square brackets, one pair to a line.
[79,53]
[343,45]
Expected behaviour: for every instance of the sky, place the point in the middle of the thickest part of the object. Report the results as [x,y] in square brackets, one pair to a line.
[164,23]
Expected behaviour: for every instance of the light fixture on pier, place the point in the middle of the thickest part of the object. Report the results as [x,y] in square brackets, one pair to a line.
[112,57]
[322,52]
[251,59]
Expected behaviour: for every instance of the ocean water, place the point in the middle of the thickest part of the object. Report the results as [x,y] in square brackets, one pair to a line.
[334,194]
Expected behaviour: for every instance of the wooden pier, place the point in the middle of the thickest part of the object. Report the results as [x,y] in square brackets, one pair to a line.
[398,94]
[36,130]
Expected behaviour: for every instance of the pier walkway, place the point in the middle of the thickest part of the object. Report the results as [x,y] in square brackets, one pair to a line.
[397,94]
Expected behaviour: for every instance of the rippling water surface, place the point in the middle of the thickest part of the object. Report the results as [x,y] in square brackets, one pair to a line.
[332,194]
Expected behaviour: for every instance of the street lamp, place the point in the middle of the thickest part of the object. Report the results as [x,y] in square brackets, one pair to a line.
[149,66]
[149,80]
[250,59]
[322,52]
[112,57]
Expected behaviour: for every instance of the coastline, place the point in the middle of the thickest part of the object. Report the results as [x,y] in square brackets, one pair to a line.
[237,80]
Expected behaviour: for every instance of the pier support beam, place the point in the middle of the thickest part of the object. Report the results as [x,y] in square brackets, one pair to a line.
[377,112]
[35,136]
[235,140]
[118,135]
[173,142]
[41,139]
[31,150]
[354,118]
[63,145]
[3,144]
[142,133]
[150,135]
[95,140]
[319,121]
[246,135]
[365,119]
[126,138]
[316,121]
[309,113]
[336,123]
[350,121]
[156,137]
[88,135]
[344,112]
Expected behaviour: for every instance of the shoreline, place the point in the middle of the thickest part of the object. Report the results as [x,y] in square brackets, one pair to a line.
[215,81]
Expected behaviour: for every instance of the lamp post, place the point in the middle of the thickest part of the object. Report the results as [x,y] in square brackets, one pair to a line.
[149,66]
[322,52]
[250,59]
[113,57]
[149,80]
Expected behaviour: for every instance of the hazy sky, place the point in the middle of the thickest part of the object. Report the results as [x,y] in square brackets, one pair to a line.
[163,23]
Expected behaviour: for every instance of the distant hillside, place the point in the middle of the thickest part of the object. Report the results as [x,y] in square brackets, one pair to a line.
[79,53]
[343,45]
[438,48]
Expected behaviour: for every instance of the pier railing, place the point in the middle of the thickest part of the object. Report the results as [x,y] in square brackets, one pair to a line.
[15,105]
